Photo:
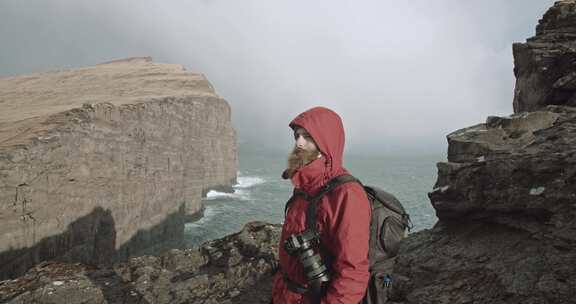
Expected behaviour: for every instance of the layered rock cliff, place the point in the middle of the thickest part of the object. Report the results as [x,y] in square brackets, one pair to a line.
[106,161]
[544,64]
[506,198]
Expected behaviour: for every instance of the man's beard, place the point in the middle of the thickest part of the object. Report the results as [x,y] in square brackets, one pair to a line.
[297,159]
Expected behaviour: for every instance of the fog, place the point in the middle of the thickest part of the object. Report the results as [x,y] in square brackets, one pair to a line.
[401,74]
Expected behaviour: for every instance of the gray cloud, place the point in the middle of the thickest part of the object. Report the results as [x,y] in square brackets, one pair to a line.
[402,74]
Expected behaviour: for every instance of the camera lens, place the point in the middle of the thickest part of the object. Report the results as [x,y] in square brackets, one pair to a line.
[301,244]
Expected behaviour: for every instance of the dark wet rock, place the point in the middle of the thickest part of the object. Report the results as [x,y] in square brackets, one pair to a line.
[483,262]
[545,65]
[507,226]
[234,269]
[491,175]
[506,204]
[506,197]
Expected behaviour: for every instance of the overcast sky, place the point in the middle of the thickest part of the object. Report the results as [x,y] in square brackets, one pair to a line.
[402,74]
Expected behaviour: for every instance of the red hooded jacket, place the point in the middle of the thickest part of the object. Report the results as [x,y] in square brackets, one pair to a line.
[342,218]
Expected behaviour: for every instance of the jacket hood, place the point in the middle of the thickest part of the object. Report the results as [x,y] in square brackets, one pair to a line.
[325,127]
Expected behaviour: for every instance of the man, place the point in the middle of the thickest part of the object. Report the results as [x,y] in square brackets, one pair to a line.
[342,215]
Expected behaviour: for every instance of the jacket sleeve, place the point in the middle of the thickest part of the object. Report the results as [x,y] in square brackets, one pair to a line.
[347,225]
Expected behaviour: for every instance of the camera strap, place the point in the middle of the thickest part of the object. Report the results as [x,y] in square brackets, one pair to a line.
[313,200]
[293,286]
[316,288]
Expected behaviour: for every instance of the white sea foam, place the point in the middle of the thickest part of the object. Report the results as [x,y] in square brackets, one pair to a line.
[248,181]
[241,189]
[213,194]
[238,194]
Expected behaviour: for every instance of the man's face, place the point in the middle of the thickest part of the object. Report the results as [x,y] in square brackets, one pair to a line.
[304,141]
[305,151]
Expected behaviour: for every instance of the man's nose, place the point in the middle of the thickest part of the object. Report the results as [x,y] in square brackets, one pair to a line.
[300,141]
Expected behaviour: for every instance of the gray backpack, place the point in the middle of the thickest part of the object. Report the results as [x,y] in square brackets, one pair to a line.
[388,227]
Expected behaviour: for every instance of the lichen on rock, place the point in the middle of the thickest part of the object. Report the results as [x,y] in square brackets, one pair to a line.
[234,269]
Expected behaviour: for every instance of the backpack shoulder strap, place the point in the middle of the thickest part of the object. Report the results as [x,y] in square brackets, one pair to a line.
[313,205]
[390,202]
[333,183]
[387,200]
[295,193]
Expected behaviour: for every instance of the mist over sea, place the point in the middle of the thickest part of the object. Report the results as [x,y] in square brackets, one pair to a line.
[261,193]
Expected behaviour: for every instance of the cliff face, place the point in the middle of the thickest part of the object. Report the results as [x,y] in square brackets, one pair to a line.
[105,161]
[506,198]
[545,63]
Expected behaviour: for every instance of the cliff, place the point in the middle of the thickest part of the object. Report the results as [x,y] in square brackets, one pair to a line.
[102,162]
[544,64]
[506,198]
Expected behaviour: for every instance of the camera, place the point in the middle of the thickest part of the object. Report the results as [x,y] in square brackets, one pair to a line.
[301,245]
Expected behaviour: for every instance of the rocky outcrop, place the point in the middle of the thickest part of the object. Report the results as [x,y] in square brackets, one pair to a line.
[106,161]
[506,198]
[506,203]
[545,65]
[235,269]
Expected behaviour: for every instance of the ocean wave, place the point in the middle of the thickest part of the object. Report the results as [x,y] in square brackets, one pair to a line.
[242,191]
[238,194]
[248,181]
[209,213]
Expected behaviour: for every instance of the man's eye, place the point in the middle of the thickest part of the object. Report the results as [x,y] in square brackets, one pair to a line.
[306,136]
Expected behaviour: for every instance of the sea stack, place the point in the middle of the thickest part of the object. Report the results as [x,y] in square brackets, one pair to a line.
[106,161]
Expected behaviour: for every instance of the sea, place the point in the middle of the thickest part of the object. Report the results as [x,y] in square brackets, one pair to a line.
[260,194]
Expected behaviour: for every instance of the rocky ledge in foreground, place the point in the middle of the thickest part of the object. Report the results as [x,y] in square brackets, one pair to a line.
[506,203]
[234,269]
